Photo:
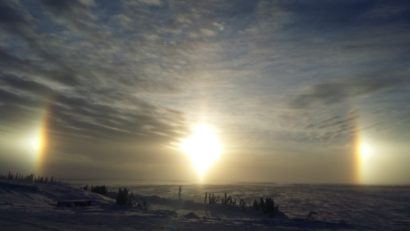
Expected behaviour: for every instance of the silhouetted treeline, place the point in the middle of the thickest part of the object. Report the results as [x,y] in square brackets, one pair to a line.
[27,178]
[210,198]
[100,189]
[226,200]
[266,205]
[123,197]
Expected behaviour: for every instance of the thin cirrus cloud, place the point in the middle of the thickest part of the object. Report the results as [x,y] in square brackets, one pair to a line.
[269,73]
[86,93]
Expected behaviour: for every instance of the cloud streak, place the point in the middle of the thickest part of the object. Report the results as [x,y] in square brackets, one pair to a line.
[336,92]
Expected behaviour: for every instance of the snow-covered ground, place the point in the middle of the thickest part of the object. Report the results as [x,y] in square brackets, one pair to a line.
[33,206]
[373,207]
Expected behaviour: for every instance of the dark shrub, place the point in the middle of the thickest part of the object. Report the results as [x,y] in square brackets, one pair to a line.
[123,197]
[102,189]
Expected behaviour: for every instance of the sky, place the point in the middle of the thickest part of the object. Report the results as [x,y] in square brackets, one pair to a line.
[297,91]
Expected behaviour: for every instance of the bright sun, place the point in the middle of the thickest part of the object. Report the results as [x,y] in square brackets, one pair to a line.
[203,147]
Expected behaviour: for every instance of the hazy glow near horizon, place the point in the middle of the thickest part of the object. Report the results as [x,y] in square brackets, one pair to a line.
[36,145]
[365,155]
[203,147]
[365,151]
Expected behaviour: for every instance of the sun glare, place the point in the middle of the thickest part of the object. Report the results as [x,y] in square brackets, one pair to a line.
[36,144]
[365,151]
[366,159]
[202,147]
